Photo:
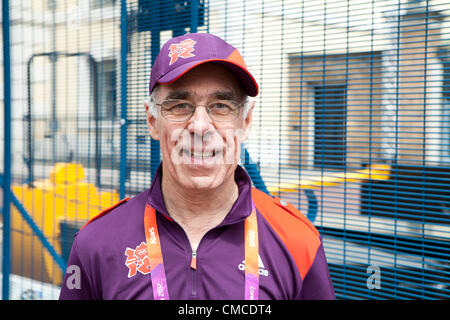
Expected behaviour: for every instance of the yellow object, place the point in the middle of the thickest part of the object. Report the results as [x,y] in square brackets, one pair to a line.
[375,172]
[64,173]
[64,196]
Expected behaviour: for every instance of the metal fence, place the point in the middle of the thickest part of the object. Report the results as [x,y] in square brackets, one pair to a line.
[352,126]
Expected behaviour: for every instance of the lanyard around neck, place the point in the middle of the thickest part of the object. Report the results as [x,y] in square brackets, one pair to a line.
[158,274]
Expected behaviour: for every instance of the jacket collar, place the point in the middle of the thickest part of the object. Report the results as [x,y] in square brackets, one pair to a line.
[240,210]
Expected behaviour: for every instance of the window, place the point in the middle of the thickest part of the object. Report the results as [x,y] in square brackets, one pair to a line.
[446,111]
[106,89]
[102,3]
[330,113]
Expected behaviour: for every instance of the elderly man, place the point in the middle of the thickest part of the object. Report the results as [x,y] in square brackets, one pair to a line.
[201,231]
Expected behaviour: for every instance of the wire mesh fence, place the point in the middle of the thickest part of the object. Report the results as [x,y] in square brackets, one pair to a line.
[351,126]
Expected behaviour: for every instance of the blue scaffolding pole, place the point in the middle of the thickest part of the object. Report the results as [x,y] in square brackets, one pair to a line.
[123,97]
[6,267]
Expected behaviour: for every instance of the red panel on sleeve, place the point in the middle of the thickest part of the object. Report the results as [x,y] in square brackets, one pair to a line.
[298,234]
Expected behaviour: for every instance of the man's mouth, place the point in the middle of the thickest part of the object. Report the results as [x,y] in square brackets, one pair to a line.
[199,155]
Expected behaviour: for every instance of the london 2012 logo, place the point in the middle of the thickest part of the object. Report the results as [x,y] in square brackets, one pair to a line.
[137,260]
[183,50]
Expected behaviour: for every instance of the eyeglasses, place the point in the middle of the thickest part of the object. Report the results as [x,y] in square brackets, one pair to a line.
[182,110]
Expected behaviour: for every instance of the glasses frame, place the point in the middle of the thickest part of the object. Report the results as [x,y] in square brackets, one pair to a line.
[239,108]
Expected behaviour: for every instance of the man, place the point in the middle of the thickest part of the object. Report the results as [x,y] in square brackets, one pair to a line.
[201,231]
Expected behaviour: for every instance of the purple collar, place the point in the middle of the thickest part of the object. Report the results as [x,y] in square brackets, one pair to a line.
[240,210]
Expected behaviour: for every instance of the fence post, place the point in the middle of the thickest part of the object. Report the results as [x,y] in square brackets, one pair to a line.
[123,96]
[155,157]
[7,151]
[194,16]
[155,150]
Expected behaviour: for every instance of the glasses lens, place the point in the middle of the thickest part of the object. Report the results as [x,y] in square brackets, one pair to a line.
[223,110]
[181,110]
[177,110]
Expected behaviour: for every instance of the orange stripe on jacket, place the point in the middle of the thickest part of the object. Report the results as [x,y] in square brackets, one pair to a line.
[298,234]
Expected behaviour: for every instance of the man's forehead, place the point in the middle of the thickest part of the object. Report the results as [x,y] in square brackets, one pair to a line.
[222,94]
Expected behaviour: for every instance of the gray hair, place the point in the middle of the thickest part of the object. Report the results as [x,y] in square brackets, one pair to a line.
[151,103]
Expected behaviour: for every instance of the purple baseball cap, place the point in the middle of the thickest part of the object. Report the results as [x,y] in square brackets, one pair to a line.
[183,53]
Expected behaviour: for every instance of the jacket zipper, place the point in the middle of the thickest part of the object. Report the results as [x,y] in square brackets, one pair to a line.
[194,273]
[193,265]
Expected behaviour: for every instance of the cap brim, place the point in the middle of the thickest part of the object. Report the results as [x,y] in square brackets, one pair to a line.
[243,76]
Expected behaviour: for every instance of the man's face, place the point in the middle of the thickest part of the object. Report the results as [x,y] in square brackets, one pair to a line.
[200,153]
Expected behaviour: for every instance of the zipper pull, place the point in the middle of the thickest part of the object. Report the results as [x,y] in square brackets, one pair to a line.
[194,260]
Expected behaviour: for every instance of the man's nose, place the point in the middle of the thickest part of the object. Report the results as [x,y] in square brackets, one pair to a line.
[200,121]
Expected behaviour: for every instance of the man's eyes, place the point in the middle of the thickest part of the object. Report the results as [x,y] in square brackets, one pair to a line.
[181,106]
[222,106]
[219,105]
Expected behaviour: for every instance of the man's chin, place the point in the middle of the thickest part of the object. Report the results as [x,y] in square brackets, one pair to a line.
[200,177]
[199,183]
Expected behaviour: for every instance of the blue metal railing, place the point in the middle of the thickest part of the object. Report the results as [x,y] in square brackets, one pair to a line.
[123,96]
[412,204]
[6,183]
[34,227]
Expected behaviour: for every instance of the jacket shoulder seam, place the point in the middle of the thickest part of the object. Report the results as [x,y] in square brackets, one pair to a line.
[105,211]
[300,237]
[288,209]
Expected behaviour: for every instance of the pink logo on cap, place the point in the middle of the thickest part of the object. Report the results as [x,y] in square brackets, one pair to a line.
[183,50]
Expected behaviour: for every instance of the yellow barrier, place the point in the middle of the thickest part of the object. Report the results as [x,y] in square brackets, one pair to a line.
[64,196]
[375,171]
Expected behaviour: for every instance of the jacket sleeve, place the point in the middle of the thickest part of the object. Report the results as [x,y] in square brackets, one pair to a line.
[76,284]
[317,283]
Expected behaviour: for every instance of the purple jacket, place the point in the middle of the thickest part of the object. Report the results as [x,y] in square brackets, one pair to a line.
[108,259]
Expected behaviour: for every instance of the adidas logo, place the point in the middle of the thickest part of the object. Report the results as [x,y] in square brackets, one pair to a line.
[262,270]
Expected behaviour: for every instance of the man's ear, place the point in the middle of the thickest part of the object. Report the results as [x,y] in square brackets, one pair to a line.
[247,122]
[152,123]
